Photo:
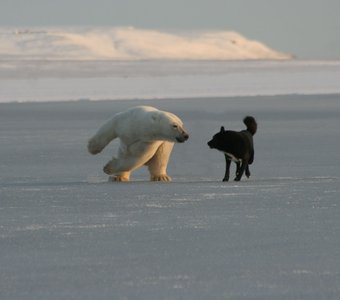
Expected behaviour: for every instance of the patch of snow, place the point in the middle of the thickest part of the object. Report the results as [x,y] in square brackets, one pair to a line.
[128,43]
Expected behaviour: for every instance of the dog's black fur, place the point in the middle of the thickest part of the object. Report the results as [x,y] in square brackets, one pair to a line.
[237,147]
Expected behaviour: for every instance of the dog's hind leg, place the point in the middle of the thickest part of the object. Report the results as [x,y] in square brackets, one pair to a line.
[247,172]
[238,168]
[227,168]
[241,169]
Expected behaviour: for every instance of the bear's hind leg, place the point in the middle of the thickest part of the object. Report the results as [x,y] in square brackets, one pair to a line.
[157,165]
[111,167]
[131,158]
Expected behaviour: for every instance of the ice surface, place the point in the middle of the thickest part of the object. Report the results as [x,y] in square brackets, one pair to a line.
[66,233]
[71,80]
[128,43]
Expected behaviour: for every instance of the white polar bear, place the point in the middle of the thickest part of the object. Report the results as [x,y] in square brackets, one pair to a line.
[147,136]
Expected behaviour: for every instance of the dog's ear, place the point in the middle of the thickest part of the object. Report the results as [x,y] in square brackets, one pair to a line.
[222,129]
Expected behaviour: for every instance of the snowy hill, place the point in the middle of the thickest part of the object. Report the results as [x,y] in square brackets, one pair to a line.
[129,44]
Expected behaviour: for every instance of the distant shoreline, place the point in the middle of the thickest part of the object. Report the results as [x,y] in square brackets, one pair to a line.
[155,101]
[41,81]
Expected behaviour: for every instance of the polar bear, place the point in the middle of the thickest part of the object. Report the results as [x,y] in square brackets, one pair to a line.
[147,136]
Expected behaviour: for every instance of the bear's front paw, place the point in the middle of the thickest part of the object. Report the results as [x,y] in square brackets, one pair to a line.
[162,177]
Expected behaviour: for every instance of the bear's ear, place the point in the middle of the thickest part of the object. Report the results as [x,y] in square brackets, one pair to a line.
[222,129]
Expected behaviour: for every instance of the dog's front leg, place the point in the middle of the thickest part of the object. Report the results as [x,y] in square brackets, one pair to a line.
[227,168]
[238,167]
[241,170]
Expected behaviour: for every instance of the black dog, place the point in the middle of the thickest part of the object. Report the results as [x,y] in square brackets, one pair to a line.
[237,147]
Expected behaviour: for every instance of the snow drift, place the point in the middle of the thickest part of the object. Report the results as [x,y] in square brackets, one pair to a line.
[129,44]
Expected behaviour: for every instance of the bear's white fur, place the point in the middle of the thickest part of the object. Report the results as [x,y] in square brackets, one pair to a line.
[147,136]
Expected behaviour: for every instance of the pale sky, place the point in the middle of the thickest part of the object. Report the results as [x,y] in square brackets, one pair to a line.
[309,29]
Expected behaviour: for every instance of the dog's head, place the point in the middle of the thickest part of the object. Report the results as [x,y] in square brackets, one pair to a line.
[217,141]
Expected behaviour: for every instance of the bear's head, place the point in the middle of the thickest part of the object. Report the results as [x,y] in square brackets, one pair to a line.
[169,127]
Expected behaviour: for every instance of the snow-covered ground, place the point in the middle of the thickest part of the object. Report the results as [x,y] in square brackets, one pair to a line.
[67,233]
[129,43]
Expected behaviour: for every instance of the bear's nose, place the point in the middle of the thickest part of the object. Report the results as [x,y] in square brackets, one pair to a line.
[185,136]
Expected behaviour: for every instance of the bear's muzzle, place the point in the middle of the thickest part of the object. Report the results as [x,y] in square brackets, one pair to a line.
[182,138]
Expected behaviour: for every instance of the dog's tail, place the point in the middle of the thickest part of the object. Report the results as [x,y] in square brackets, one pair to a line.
[105,134]
[251,124]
